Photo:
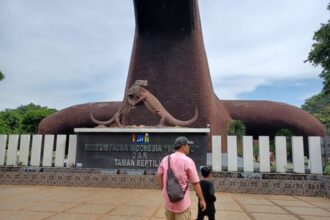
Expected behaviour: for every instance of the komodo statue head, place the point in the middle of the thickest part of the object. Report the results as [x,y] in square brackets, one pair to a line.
[140,82]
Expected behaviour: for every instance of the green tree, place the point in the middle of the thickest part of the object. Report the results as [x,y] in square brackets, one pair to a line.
[320,53]
[237,128]
[32,118]
[11,121]
[1,76]
[319,105]
[24,119]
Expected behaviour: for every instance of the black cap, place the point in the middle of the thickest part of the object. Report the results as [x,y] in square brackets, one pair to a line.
[179,141]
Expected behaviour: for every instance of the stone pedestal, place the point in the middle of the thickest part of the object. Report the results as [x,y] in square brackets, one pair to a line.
[135,148]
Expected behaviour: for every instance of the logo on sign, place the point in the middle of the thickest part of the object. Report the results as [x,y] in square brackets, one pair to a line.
[140,138]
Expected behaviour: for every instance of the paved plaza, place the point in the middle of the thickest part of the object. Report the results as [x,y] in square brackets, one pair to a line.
[51,202]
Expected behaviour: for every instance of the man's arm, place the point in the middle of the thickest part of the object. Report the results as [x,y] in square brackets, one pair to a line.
[198,190]
[160,180]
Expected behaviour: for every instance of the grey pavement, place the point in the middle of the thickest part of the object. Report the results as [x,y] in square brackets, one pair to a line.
[54,202]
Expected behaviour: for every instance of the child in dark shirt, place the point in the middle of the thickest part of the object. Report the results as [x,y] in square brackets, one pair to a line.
[208,193]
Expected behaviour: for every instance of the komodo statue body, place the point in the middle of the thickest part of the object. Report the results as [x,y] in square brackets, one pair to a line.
[119,116]
[154,105]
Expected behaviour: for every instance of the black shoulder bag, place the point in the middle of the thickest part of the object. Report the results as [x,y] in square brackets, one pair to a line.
[174,189]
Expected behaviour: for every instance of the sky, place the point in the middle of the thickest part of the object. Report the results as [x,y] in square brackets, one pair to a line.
[67,52]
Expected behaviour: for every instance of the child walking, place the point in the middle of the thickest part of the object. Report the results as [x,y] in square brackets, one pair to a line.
[208,193]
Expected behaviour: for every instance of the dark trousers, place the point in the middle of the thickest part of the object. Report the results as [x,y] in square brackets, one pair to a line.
[201,215]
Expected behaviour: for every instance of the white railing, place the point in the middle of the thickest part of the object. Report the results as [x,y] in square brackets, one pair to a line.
[60,151]
[38,150]
[264,164]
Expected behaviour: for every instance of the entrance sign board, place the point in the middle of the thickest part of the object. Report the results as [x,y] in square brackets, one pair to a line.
[135,148]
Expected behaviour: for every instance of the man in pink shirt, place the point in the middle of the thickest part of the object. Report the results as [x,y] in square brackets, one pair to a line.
[185,170]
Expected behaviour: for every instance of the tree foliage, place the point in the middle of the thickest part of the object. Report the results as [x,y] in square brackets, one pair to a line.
[320,53]
[1,76]
[319,105]
[24,119]
[237,128]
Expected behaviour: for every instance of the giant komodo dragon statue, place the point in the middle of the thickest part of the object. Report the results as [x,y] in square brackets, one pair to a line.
[134,96]
[119,116]
[168,51]
[154,105]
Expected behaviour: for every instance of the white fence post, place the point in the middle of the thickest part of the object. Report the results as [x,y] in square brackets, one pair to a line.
[60,150]
[232,153]
[280,154]
[47,158]
[24,149]
[216,153]
[315,159]
[298,154]
[72,150]
[264,157]
[248,153]
[36,150]
[12,150]
[3,142]
[10,156]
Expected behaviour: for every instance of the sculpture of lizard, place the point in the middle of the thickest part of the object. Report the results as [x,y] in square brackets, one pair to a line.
[154,105]
[119,116]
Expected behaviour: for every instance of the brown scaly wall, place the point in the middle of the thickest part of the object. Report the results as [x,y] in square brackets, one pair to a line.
[266,118]
[169,52]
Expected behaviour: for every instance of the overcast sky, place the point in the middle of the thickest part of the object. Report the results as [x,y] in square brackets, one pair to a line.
[67,52]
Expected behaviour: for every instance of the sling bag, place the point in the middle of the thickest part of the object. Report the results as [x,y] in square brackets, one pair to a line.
[174,189]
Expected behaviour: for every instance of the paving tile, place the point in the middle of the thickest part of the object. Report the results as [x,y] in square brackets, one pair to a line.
[66,199]
[313,199]
[90,209]
[14,205]
[133,211]
[245,195]
[225,199]
[73,216]
[116,217]
[106,200]
[314,218]
[262,216]
[48,202]
[52,207]
[265,209]
[280,197]
[254,201]
[308,211]
[324,205]
[27,215]
[227,207]
[296,203]
[146,202]
[4,213]
[227,215]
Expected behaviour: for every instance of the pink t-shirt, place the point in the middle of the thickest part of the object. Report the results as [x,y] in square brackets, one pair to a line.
[185,170]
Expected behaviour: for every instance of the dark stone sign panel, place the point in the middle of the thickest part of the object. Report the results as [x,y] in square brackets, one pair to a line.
[134,150]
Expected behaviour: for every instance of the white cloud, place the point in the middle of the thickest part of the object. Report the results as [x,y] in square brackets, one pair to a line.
[62,53]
